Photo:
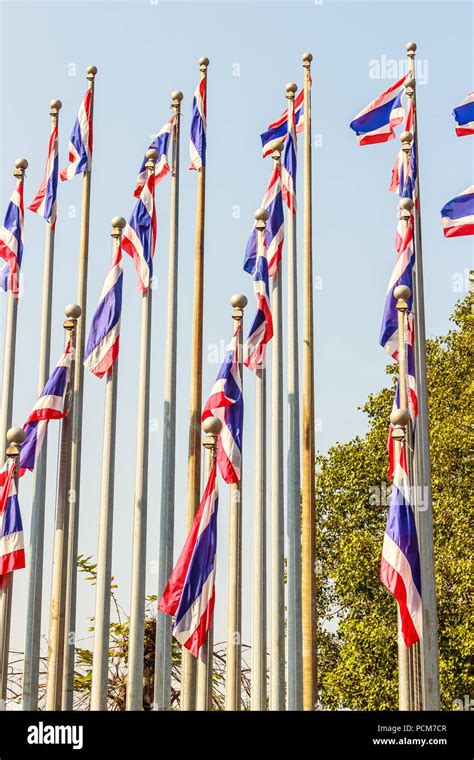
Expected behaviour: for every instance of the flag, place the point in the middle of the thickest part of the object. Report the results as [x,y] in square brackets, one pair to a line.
[190,591]
[261,330]
[401,275]
[458,215]
[160,144]
[11,242]
[376,122]
[197,141]
[274,232]
[400,565]
[278,130]
[44,202]
[12,552]
[288,164]
[226,402]
[464,116]
[102,345]
[406,186]
[80,142]
[139,235]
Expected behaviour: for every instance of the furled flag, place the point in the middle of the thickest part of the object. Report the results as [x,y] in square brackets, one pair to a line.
[51,405]
[464,116]
[197,141]
[12,552]
[160,144]
[278,130]
[261,330]
[288,163]
[404,182]
[44,203]
[275,230]
[401,275]
[139,235]
[400,566]
[11,242]
[104,334]
[226,402]
[376,122]
[80,142]
[190,591]
[458,215]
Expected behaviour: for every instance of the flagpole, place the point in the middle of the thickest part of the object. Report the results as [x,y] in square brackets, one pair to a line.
[76,435]
[308,507]
[259,570]
[58,584]
[137,603]
[188,666]
[35,576]
[234,597]
[100,662]
[212,427]
[163,644]
[295,684]
[15,437]
[429,642]
[277,606]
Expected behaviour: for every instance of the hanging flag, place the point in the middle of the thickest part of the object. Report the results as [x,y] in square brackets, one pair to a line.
[376,122]
[102,345]
[405,186]
[227,404]
[464,116]
[288,164]
[275,230]
[139,235]
[190,591]
[458,215]
[400,566]
[197,141]
[261,330]
[44,202]
[11,242]
[401,275]
[80,142]
[162,168]
[12,552]
[278,130]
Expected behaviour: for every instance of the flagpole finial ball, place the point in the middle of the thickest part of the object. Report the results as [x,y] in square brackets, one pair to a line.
[278,146]
[411,47]
[212,426]
[307,57]
[261,215]
[400,417]
[21,163]
[406,204]
[56,104]
[91,71]
[204,62]
[406,137]
[16,435]
[118,222]
[152,154]
[177,95]
[291,87]
[238,301]
[403,292]
[73,311]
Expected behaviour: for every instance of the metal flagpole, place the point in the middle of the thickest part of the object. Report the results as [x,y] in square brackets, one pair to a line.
[15,437]
[58,585]
[163,644]
[429,642]
[188,665]
[234,597]
[212,427]
[295,675]
[76,436]
[259,570]
[308,507]
[277,606]
[35,577]
[137,603]
[106,515]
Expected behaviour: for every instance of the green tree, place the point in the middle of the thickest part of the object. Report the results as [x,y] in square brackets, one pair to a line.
[357,648]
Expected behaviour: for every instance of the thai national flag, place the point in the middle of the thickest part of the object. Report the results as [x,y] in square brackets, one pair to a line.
[261,331]
[375,123]
[278,130]
[404,182]
[11,242]
[12,552]
[44,203]
[226,402]
[139,235]
[197,141]
[80,143]
[288,164]
[401,275]
[400,566]
[464,116]
[104,334]
[275,229]
[160,144]
[458,215]
[190,591]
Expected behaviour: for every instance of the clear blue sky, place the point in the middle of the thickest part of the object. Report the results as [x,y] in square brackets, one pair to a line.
[144,50]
